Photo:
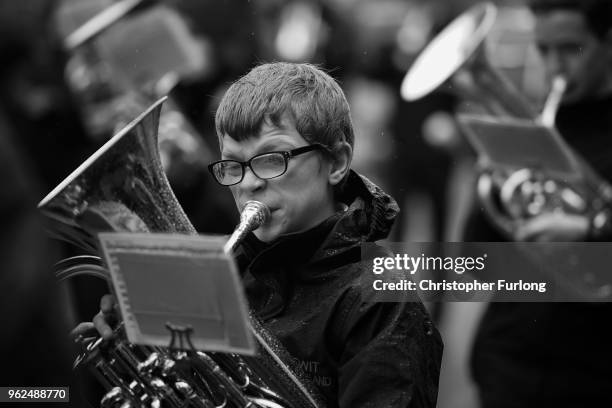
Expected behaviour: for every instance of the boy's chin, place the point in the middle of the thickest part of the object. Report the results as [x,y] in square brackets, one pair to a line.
[267,234]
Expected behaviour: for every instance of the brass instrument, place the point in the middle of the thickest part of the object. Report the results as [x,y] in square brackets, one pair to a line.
[122,187]
[111,91]
[456,59]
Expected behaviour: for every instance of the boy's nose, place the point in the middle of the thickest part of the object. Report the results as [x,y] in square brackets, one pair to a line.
[251,182]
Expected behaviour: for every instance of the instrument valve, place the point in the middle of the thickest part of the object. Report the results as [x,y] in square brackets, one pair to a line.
[150,364]
[159,385]
[112,398]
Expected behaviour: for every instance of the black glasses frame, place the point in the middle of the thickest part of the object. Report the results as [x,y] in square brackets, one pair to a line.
[287,154]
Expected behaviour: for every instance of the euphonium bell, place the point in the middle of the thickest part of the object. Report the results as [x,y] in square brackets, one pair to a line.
[456,60]
[122,187]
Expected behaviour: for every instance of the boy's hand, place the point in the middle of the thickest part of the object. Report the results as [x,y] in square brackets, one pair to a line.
[102,322]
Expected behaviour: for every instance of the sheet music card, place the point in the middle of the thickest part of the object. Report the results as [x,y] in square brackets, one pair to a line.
[514,143]
[184,280]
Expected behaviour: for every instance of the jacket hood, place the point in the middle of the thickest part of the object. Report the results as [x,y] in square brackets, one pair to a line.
[369,217]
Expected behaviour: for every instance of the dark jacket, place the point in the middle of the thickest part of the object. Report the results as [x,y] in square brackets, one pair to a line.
[306,290]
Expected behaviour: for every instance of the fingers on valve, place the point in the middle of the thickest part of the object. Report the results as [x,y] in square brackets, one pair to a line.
[84,329]
[102,325]
[108,304]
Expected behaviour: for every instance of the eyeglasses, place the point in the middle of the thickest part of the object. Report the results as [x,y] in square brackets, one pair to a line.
[265,166]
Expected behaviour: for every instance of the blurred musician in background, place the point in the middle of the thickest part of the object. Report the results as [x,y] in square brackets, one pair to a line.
[558,354]
[286,139]
[575,41]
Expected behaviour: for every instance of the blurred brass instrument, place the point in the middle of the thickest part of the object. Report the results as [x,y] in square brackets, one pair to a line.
[122,187]
[456,60]
[121,60]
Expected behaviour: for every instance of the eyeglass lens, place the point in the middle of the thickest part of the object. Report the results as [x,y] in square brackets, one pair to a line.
[265,166]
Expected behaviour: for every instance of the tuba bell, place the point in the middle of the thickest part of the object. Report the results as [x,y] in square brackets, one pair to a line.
[456,60]
[122,187]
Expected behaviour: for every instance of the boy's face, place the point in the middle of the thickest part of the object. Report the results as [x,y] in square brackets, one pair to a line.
[299,199]
[569,48]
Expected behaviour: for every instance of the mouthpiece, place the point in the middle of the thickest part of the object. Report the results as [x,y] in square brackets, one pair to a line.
[553,100]
[253,214]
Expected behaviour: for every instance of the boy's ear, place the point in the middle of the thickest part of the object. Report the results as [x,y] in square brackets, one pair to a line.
[342,154]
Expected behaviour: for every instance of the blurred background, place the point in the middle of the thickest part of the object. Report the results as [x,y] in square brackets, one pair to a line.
[62,96]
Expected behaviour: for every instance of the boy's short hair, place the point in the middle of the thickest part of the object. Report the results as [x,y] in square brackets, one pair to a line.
[597,13]
[307,95]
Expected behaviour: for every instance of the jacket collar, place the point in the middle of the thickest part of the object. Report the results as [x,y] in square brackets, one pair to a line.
[368,218]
